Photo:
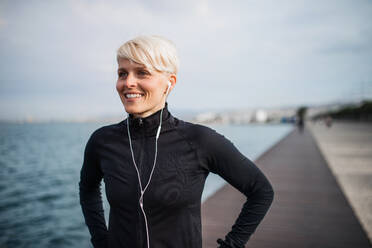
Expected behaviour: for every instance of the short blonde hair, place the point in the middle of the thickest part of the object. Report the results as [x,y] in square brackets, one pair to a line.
[154,52]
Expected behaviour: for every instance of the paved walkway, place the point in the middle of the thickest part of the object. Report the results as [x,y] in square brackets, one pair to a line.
[347,147]
[309,209]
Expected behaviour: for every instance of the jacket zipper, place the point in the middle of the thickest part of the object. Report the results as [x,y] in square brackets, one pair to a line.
[140,217]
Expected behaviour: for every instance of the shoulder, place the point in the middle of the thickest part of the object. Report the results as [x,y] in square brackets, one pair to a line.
[104,132]
[215,151]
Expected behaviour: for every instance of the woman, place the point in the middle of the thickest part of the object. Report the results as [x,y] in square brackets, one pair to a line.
[154,165]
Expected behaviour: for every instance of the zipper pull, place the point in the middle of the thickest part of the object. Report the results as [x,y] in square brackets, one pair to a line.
[140,122]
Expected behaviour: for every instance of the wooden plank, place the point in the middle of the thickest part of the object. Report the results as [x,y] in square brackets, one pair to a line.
[309,208]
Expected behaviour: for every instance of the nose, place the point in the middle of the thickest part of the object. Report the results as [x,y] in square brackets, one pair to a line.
[130,81]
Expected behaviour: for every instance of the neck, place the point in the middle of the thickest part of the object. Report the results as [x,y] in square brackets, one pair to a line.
[148,113]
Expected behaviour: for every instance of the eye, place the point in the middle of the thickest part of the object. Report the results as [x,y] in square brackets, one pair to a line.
[122,74]
[143,73]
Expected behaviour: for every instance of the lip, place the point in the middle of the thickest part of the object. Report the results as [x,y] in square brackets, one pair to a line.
[132,92]
[133,99]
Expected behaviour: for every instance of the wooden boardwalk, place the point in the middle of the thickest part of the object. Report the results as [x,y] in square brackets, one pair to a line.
[309,208]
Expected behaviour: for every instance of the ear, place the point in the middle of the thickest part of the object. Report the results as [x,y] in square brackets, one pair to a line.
[172,78]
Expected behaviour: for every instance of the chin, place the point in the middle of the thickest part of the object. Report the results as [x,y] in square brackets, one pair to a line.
[134,110]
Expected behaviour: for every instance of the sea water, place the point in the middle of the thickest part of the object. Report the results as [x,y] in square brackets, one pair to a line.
[40,169]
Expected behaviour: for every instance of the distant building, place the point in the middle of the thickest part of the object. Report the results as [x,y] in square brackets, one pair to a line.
[208,117]
[260,116]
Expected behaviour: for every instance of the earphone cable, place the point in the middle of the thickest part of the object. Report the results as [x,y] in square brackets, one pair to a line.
[152,171]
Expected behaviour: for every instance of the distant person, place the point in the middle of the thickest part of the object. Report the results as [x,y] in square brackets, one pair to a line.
[301,112]
[328,121]
[300,124]
[154,165]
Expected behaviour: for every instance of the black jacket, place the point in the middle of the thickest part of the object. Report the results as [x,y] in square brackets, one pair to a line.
[186,154]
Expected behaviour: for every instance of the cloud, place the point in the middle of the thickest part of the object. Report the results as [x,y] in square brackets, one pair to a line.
[249,53]
[2,23]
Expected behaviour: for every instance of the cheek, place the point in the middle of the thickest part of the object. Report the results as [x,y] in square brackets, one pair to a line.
[156,93]
[119,85]
[153,89]
[150,89]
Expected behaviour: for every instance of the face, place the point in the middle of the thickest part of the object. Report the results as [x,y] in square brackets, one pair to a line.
[141,90]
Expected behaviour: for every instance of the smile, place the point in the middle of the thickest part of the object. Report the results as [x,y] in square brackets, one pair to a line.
[131,96]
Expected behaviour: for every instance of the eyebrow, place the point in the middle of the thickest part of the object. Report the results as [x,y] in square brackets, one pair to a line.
[136,67]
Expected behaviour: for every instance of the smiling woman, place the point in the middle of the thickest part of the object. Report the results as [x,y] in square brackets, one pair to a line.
[141,90]
[155,194]
[142,79]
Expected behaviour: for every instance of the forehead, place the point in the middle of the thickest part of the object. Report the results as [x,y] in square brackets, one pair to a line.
[129,64]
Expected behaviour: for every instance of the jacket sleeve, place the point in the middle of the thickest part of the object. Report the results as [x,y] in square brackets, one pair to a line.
[90,195]
[223,158]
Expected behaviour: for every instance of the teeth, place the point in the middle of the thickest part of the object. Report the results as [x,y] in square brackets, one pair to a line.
[132,95]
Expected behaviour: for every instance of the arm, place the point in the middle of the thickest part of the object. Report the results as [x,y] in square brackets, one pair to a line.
[90,196]
[223,158]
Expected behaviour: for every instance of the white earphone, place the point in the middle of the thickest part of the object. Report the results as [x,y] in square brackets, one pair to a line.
[153,167]
[169,85]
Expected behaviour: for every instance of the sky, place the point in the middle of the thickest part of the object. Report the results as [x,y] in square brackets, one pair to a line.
[58,58]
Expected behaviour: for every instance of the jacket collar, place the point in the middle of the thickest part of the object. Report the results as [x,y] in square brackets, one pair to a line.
[148,125]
